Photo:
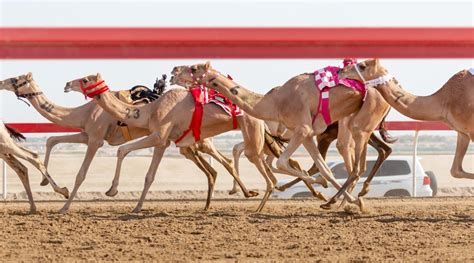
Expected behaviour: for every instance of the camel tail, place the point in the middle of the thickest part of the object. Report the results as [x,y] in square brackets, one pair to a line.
[386,137]
[16,135]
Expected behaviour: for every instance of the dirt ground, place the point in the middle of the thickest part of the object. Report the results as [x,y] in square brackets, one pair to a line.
[392,229]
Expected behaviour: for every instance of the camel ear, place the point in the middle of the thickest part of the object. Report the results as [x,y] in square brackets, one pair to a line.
[377,62]
[29,76]
[98,76]
[207,66]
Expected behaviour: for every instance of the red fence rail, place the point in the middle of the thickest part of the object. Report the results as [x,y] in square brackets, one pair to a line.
[391,125]
[86,43]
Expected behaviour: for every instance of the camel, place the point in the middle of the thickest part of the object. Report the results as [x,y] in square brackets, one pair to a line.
[10,151]
[168,119]
[375,107]
[98,126]
[294,105]
[451,104]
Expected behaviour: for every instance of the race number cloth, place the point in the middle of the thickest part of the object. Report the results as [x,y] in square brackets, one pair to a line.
[325,79]
[201,96]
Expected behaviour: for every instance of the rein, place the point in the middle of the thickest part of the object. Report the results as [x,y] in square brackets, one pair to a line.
[374,82]
[85,90]
[21,97]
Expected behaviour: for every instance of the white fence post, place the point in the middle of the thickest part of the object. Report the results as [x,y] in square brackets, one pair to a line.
[4,193]
[415,152]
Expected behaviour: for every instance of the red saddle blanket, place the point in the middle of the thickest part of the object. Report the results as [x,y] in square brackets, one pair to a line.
[202,96]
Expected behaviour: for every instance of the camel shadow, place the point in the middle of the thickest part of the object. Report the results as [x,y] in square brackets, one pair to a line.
[396,219]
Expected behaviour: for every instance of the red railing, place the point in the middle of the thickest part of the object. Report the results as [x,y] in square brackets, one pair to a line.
[84,43]
[391,125]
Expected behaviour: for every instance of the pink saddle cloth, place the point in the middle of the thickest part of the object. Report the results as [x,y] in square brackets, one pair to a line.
[325,79]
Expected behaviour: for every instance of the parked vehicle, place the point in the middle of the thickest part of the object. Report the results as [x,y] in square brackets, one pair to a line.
[394,178]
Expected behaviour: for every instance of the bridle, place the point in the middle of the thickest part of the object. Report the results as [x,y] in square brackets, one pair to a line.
[23,96]
[373,82]
[92,86]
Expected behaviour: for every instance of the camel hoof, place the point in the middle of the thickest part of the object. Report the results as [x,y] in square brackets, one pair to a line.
[111,192]
[136,210]
[361,204]
[280,188]
[320,196]
[233,192]
[328,205]
[363,192]
[33,210]
[63,211]
[64,191]
[251,194]
[44,182]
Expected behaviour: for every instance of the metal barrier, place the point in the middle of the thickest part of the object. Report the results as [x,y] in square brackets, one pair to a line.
[391,125]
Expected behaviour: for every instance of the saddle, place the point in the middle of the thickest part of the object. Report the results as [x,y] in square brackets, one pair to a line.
[327,78]
[139,95]
[202,96]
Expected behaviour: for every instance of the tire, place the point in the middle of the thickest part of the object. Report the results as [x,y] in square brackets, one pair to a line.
[302,195]
[433,182]
[397,193]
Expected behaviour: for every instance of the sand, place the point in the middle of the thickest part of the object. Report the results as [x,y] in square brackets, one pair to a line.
[426,229]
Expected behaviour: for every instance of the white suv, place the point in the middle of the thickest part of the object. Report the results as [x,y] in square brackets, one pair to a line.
[394,178]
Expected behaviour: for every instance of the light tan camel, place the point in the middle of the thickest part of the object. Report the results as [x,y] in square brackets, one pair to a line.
[192,152]
[168,118]
[355,133]
[10,151]
[98,126]
[294,104]
[451,104]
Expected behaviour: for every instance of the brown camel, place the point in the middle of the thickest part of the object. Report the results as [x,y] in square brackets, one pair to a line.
[294,104]
[168,118]
[451,104]
[10,151]
[97,126]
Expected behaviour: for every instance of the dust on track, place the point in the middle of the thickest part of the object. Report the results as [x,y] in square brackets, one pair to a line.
[392,229]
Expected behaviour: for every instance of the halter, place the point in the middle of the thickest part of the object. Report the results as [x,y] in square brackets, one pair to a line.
[374,82]
[94,93]
[23,96]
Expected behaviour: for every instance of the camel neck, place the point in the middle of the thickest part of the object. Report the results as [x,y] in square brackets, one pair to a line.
[136,116]
[63,116]
[426,108]
[256,105]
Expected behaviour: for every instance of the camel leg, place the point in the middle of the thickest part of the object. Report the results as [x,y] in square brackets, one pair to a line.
[461,149]
[113,190]
[237,151]
[22,173]
[33,158]
[283,161]
[53,141]
[92,148]
[312,149]
[360,138]
[265,171]
[209,148]
[324,141]
[150,176]
[383,151]
[210,173]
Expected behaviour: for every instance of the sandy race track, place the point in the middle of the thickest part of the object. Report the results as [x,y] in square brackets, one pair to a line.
[403,229]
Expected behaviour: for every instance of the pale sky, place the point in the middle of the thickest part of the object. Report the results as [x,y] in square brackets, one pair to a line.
[420,76]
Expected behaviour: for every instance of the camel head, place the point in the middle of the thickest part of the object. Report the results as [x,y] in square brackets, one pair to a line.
[364,71]
[86,85]
[190,76]
[24,86]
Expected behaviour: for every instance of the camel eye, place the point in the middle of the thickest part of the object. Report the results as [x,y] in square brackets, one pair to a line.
[362,66]
[193,69]
[85,81]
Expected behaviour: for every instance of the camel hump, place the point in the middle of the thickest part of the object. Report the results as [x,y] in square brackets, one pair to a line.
[16,135]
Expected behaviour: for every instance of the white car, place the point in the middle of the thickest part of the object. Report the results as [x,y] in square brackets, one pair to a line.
[394,178]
